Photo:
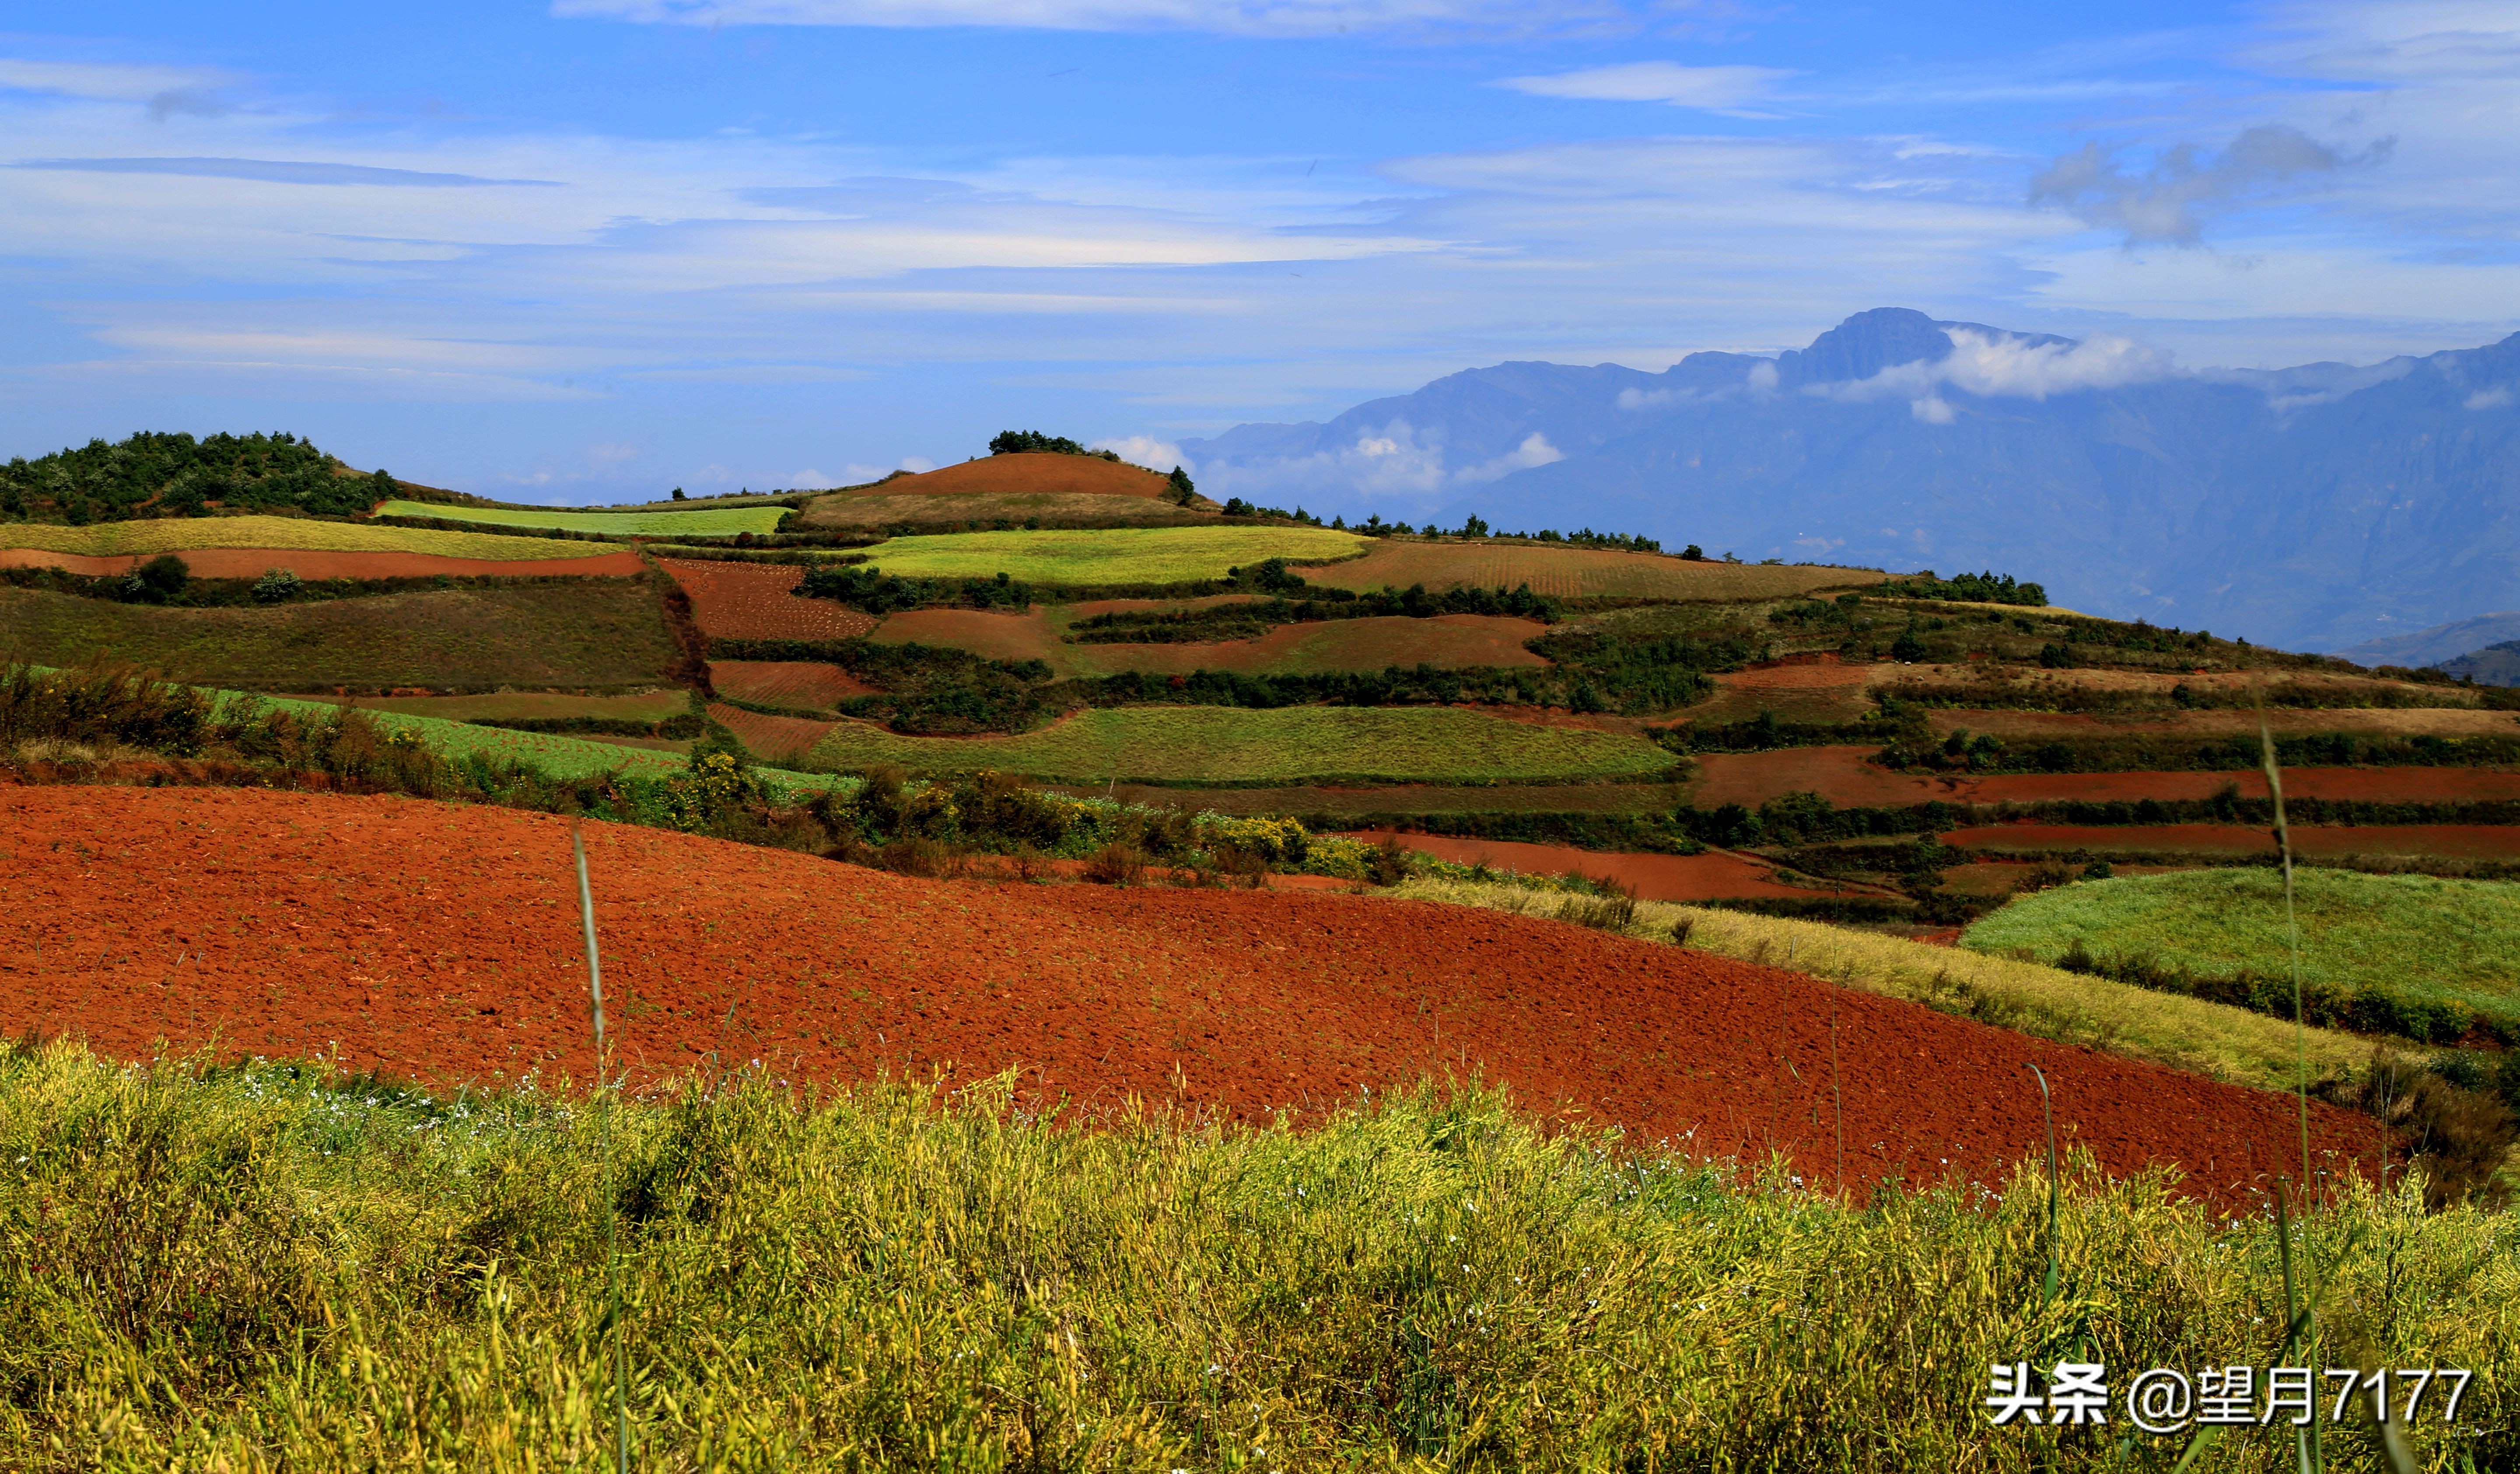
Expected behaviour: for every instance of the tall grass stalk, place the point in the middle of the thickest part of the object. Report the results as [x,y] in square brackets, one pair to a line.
[604,1109]
[2312,1461]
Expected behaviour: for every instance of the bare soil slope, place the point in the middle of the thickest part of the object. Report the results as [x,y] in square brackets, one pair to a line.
[440,942]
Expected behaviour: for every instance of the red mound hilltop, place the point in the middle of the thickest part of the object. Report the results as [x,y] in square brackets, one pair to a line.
[441,942]
[1034,472]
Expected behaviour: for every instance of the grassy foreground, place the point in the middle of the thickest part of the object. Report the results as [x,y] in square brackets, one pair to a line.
[178,534]
[2208,1039]
[1115,556]
[261,1269]
[2457,939]
[710,521]
[1228,746]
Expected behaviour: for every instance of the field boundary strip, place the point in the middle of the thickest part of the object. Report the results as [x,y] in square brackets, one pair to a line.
[701,521]
[178,535]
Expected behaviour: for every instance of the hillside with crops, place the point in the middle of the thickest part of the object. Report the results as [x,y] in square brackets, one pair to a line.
[1683,938]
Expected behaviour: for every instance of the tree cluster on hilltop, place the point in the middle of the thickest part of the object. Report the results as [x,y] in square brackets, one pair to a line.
[150,475]
[1020,442]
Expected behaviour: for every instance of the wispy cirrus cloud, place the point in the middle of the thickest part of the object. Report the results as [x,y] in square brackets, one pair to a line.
[1237,18]
[276,171]
[1716,88]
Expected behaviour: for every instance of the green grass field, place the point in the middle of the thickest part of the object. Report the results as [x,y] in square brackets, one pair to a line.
[533,705]
[1115,556]
[556,755]
[267,1268]
[2455,939]
[286,534]
[1230,746]
[712,522]
[574,633]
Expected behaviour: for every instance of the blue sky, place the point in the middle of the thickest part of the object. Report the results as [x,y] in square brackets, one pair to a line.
[592,250]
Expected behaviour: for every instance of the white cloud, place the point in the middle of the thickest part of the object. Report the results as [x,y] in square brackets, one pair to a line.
[1146,451]
[1712,87]
[1244,17]
[1535,450]
[110,81]
[2007,366]
[2490,399]
[2024,369]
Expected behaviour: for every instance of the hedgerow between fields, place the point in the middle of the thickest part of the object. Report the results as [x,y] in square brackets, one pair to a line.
[270,1267]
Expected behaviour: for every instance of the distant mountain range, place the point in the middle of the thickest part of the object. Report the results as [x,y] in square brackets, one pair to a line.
[2316,507]
[2441,642]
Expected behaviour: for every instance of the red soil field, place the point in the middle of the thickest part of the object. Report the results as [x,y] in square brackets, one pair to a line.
[2466,842]
[999,636]
[440,942]
[1034,472]
[1841,776]
[1800,673]
[771,738]
[806,685]
[253,563]
[734,601]
[1713,876]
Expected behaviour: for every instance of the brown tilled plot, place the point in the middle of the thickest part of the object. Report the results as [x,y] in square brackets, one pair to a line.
[441,942]
[1717,875]
[734,601]
[1843,776]
[801,685]
[1574,572]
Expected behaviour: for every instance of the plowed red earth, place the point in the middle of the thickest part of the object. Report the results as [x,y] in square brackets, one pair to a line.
[1713,876]
[2480,841]
[441,942]
[806,685]
[731,600]
[1841,776]
[768,737]
[253,563]
[1034,472]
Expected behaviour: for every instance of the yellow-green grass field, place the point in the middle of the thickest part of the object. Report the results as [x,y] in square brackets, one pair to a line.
[712,522]
[1111,556]
[2169,1029]
[578,634]
[283,534]
[2422,934]
[532,706]
[1577,572]
[1225,746]
[564,757]
[354,1273]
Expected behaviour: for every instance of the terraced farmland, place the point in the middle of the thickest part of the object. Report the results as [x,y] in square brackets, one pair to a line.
[1235,747]
[183,534]
[1577,572]
[589,634]
[1113,556]
[712,522]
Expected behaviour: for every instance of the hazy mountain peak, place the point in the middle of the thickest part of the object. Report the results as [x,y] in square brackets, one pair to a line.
[2315,507]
